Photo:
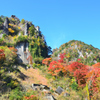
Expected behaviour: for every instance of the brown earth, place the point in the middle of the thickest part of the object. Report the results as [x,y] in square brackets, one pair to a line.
[29,76]
[33,76]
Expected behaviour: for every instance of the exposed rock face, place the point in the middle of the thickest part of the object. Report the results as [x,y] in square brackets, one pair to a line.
[40,87]
[22,48]
[13,25]
[37,28]
[66,94]
[26,28]
[23,53]
[59,90]
[1,35]
[17,19]
[49,97]
[45,89]
[6,26]
[13,16]
[38,31]
[80,53]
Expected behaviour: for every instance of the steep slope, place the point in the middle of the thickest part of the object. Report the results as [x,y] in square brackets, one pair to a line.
[76,49]
[32,76]
[21,44]
[24,36]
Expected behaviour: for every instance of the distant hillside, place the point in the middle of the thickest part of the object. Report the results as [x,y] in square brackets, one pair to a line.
[76,49]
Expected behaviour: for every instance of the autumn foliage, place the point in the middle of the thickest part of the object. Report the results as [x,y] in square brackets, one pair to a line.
[55,67]
[46,61]
[13,50]
[30,59]
[32,97]
[97,65]
[8,55]
[2,56]
[93,77]
[82,73]
[79,71]
[62,56]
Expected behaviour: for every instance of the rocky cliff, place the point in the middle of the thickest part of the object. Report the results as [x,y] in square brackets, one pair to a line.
[24,36]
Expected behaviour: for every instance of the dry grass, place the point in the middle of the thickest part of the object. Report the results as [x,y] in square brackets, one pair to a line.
[30,76]
[37,76]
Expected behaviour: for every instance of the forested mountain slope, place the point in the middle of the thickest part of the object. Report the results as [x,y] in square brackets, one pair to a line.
[75,49]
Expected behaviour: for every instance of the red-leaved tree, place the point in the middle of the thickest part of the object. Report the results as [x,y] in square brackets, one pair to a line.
[79,71]
[2,56]
[56,68]
[62,56]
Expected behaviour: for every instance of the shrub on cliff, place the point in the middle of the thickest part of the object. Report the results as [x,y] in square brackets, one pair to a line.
[23,21]
[10,55]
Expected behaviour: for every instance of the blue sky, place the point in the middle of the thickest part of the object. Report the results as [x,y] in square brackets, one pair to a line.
[60,20]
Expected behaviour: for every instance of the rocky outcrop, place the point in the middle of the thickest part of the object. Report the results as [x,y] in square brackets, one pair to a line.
[37,28]
[47,92]
[12,26]
[59,90]
[49,97]
[15,18]
[26,29]
[6,24]
[22,52]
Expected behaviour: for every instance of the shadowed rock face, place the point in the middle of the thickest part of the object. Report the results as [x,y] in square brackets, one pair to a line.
[23,53]
[26,28]
[17,19]
[13,16]
[6,26]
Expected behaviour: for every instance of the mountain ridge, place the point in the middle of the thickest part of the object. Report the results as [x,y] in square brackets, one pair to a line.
[75,49]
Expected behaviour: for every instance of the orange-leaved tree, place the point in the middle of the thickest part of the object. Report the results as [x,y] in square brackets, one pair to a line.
[32,97]
[93,77]
[46,61]
[96,65]
[30,59]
